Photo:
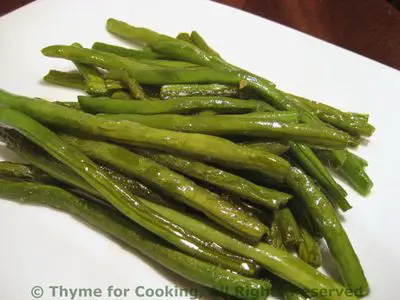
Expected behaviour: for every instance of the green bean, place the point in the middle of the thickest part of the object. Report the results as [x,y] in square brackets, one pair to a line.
[67,79]
[207,113]
[114,84]
[179,187]
[11,170]
[125,52]
[178,105]
[279,262]
[203,147]
[222,179]
[352,170]
[144,74]
[157,120]
[308,249]
[351,123]
[121,94]
[76,81]
[58,173]
[134,87]
[225,125]
[94,81]
[174,64]
[71,179]
[131,206]
[170,47]
[328,223]
[197,39]
[136,237]
[73,105]
[273,147]
[184,36]
[187,90]
[288,227]
[276,238]
[37,157]
[314,167]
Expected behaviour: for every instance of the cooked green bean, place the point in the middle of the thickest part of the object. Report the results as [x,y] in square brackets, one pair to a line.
[121,95]
[67,79]
[198,40]
[177,105]
[222,179]
[76,81]
[125,52]
[203,147]
[11,170]
[184,36]
[143,73]
[316,169]
[288,227]
[131,206]
[279,262]
[136,237]
[349,122]
[74,105]
[171,183]
[278,116]
[94,81]
[273,147]
[352,170]
[134,87]
[308,249]
[188,90]
[224,125]
[327,221]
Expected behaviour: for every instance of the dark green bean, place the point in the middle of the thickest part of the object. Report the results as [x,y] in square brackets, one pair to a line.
[94,81]
[327,221]
[222,179]
[188,90]
[131,206]
[136,237]
[171,183]
[227,125]
[177,105]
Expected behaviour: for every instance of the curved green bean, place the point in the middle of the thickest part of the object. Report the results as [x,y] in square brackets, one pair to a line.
[222,179]
[131,206]
[279,262]
[94,81]
[171,183]
[136,237]
[328,223]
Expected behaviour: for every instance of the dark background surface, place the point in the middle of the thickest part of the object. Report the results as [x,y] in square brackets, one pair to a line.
[368,27]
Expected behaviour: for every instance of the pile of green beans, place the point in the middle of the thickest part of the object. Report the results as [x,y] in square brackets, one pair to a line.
[204,167]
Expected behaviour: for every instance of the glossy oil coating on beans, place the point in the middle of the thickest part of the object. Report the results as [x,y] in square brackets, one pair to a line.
[134,236]
[177,105]
[226,181]
[203,147]
[131,206]
[171,183]
[327,221]
[186,52]
[259,127]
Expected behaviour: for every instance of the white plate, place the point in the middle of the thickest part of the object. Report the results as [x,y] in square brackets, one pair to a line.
[41,247]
